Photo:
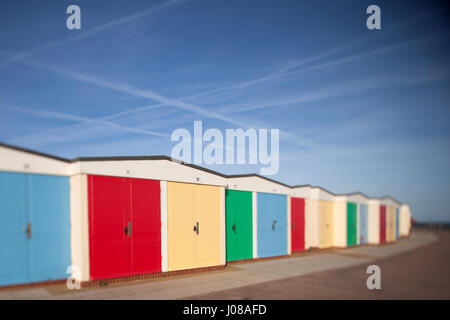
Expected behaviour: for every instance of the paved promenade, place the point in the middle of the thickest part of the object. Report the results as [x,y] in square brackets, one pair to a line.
[235,279]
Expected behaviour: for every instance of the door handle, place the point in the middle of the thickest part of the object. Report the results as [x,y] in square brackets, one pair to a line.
[28,230]
[126,230]
[273,225]
[196,228]
[293,226]
[234,227]
[129,229]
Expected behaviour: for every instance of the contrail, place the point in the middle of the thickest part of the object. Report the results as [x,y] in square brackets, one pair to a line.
[65,116]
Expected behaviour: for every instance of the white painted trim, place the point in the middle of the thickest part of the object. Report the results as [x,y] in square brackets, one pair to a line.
[288,226]
[357,198]
[257,184]
[317,193]
[405,220]
[373,222]
[388,202]
[79,229]
[12,160]
[151,170]
[340,223]
[301,192]
[223,227]
[164,235]
[314,223]
[255,224]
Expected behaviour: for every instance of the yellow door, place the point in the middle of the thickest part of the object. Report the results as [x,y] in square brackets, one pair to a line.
[181,218]
[388,224]
[391,224]
[194,226]
[208,213]
[392,231]
[326,224]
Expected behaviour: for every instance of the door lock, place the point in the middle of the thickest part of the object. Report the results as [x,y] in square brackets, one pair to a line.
[196,228]
[28,230]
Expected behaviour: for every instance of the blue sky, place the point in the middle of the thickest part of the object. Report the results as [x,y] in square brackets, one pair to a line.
[358,109]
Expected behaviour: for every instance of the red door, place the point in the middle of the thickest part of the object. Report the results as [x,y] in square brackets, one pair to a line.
[146,226]
[382,224]
[297,224]
[124,227]
[108,215]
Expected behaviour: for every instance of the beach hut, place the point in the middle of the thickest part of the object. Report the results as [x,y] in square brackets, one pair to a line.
[321,218]
[110,217]
[271,214]
[35,217]
[362,207]
[141,215]
[389,206]
[360,203]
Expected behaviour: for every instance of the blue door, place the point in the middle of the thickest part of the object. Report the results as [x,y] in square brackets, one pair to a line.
[272,225]
[363,224]
[397,223]
[35,235]
[13,215]
[50,223]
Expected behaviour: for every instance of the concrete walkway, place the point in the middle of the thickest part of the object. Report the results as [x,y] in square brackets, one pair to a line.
[234,276]
[421,274]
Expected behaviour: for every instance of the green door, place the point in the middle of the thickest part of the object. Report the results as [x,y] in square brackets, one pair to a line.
[351,224]
[239,225]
